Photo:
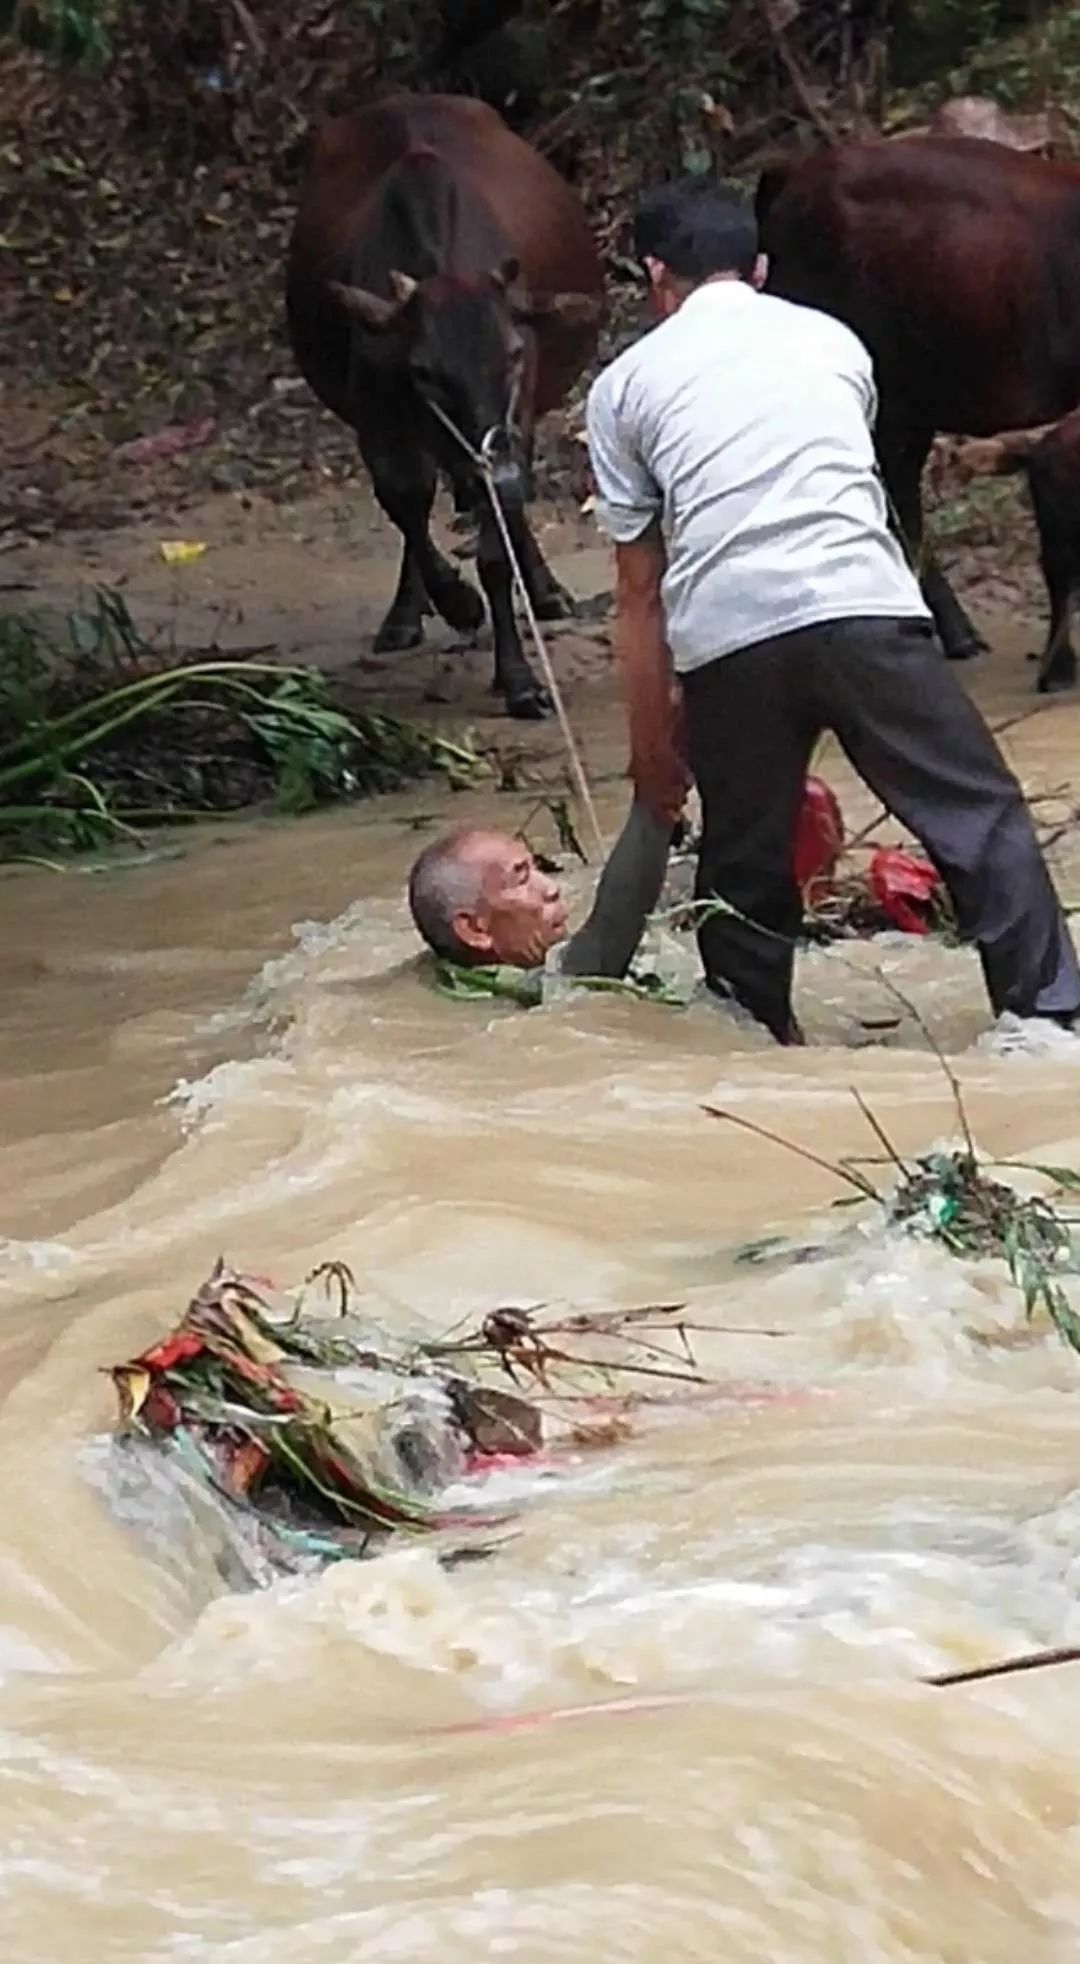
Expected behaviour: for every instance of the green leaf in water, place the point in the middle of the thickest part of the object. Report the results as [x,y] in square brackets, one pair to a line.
[941,1208]
[1065,1177]
[495,982]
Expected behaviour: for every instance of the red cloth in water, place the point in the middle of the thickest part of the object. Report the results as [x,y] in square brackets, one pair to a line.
[819,837]
[904,888]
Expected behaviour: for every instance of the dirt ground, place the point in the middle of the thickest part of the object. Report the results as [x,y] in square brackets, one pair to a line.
[300,578]
[306,577]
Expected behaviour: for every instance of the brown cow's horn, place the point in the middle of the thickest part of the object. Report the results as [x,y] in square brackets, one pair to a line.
[402,286]
[578,309]
[571,309]
[368,307]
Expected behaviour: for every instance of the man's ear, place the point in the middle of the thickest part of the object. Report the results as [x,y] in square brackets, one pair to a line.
[655,270]
[472,933]
[761,271]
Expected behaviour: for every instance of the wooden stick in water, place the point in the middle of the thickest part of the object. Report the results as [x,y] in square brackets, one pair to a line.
[1032,1660]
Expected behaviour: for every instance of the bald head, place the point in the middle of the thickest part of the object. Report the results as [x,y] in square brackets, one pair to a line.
[444,881]
[479,896]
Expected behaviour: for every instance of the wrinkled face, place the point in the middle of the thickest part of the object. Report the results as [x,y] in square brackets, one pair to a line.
[518,914]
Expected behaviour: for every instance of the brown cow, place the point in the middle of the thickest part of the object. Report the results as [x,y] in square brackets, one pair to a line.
[957,261]
[443,292]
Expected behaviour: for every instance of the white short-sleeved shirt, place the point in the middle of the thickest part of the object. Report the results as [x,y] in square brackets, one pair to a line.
[744,424]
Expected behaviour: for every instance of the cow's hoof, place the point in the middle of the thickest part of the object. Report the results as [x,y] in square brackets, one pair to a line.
[396,635]
[1057,681]
[555,604]
[528,704]
[461,607]
[966,650]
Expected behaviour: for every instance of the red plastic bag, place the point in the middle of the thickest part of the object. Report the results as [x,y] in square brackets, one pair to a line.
[819,837]
[905,889]
[180,1348]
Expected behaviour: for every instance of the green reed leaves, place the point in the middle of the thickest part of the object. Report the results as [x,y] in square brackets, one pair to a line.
[98,738]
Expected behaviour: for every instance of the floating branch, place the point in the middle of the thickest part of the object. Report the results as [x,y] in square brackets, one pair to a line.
[1032,1660]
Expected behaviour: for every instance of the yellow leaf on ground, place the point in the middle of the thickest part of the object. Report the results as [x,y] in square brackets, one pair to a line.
[181,552]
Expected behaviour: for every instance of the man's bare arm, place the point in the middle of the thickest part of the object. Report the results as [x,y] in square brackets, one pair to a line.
[648,676]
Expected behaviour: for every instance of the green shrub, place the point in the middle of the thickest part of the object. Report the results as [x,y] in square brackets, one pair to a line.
[75,30]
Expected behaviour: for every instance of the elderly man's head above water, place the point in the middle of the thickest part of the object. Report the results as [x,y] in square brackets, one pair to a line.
[479,897]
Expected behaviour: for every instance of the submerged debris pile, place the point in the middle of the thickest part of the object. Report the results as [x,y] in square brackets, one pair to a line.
[846,895]
[329,1434]
[851,888]
[891,891]
[951,1197]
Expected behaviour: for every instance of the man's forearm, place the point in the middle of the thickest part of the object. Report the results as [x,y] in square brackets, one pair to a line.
[642,654]
[648,676]
[641,648]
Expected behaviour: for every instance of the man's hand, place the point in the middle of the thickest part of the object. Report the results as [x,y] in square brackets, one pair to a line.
[657,753]
[653,694]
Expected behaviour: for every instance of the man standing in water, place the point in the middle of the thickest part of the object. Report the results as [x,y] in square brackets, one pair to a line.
[762,598]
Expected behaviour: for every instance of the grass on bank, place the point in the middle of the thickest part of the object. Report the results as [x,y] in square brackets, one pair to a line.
[99,738]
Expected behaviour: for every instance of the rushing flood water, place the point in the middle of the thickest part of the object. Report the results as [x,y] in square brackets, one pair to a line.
[233,1052]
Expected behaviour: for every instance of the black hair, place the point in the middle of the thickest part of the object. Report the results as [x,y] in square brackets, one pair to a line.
[696,226]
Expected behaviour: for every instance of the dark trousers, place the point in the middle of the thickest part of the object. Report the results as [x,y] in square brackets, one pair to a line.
[917,740]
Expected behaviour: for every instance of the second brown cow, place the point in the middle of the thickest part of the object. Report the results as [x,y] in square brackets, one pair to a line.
[444,291]
[957,262]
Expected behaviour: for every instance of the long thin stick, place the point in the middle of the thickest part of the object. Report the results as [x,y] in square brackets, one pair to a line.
[879,1131]
[1032,1660]
[950,1075]
[865,1187]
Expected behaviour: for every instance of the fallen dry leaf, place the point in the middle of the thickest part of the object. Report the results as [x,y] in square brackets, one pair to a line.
[132,1384]
[181,552]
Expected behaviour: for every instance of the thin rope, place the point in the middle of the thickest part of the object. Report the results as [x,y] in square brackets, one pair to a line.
[482,464]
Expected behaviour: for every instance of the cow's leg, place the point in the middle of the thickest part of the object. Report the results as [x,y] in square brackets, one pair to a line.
[514,680]
[1057,667]
[549,597]
[403,626]
[406,496]
[902,460]
[464,521]
[1060,560]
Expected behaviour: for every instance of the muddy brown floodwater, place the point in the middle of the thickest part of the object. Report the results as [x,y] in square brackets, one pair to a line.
[229,1051]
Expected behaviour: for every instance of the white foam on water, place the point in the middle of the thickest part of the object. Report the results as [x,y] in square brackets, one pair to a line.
[1033,1036]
